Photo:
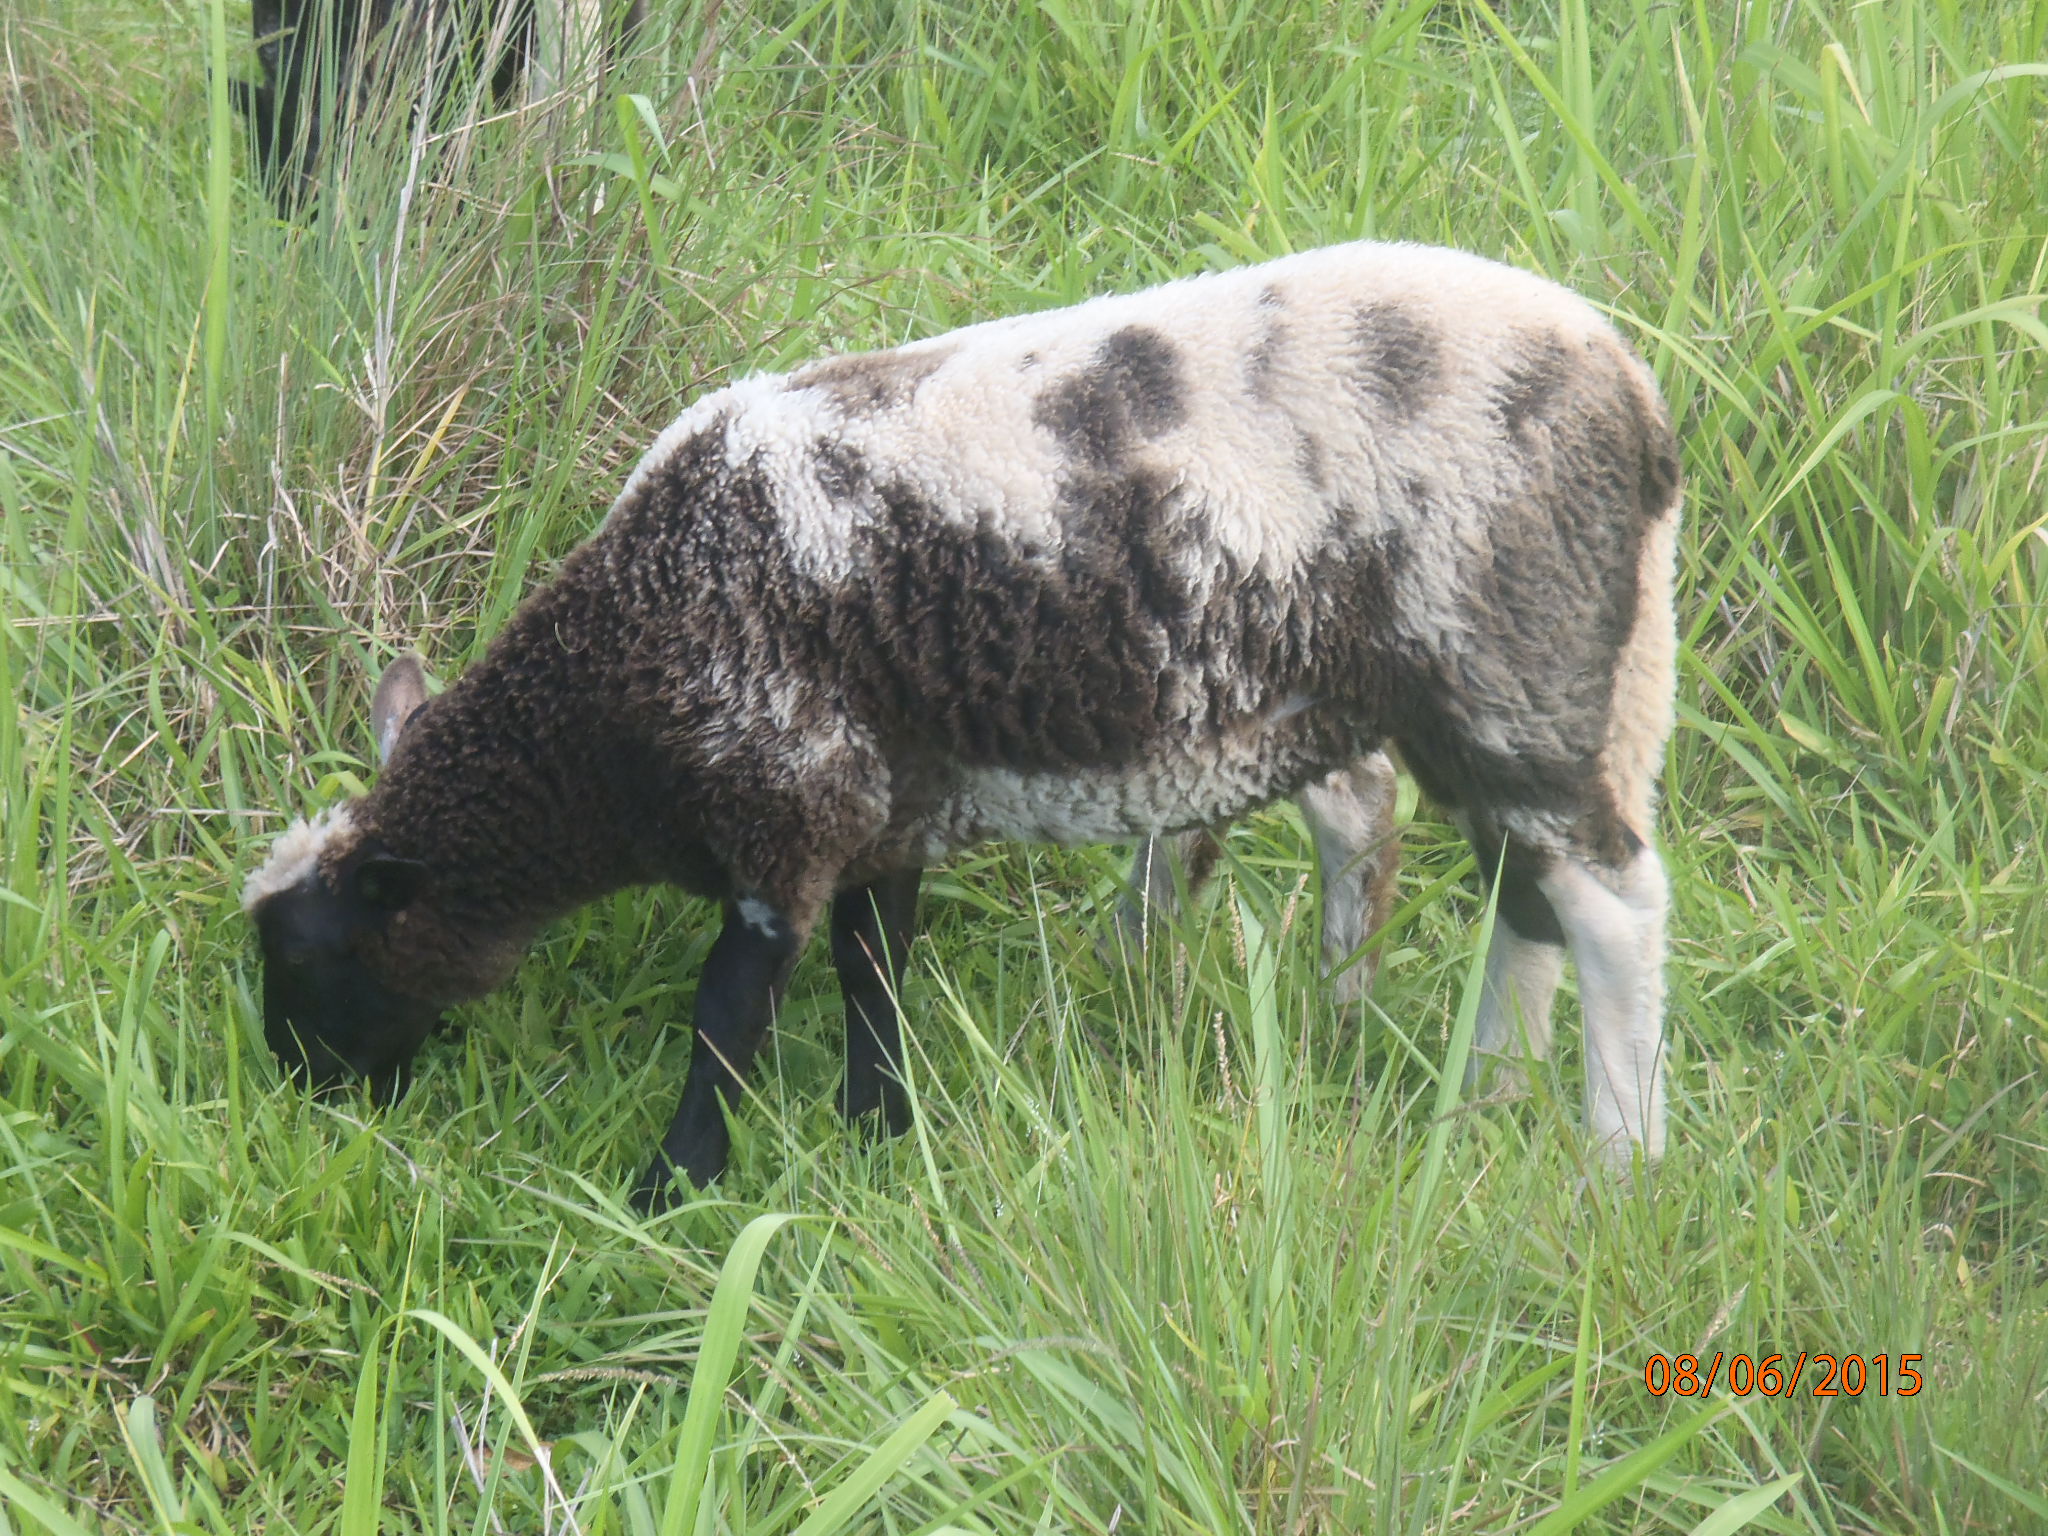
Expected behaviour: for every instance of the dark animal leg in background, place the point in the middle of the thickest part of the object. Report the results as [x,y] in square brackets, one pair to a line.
[872,927]
[736,999]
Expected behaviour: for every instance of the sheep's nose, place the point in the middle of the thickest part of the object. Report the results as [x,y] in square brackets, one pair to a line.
[315,1069]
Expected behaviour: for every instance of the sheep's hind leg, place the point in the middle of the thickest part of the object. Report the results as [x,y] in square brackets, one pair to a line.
[1350,817]
[1613,919]
[1350,814]
[1161,868]
[1574,878]
[737,994]
[872,929]
[1522,971]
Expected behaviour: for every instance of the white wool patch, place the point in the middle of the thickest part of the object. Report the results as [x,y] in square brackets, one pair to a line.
[294,854]
[760,917]
[1096,805]
[1643,713]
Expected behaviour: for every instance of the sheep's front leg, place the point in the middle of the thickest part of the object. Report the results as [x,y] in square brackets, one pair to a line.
[872,927]
[736,998]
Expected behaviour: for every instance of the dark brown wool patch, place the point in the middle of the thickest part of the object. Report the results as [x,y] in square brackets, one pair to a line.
[957,645]
[1266,347]
[1530,391]
[1660,475]
[1308,458]
[1132,390]
[1458,771]
[866,382]
[968,644]
[1259,361]
[1396,358]
[532,737]
[1547,614]
[841,470]
[731,663]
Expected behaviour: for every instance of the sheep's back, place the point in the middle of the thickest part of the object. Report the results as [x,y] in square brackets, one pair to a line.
[1092,538]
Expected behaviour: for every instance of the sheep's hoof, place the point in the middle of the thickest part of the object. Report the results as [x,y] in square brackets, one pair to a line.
[876,1113]
[668,1182]
[1496,1077]
[656,1192]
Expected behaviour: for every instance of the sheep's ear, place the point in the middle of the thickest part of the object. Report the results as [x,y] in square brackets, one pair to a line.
[400,693]
[389,884]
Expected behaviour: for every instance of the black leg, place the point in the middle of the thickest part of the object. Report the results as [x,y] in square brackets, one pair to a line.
[872,927]
[1522,905]
[736,998]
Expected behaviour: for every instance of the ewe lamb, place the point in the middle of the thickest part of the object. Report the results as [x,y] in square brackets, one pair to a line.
[1129,568]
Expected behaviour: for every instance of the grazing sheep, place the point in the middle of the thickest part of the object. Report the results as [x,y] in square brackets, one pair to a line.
[315,51]
[1136,566]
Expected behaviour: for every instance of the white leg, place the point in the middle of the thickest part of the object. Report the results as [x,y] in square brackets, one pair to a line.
[1514,1007]
[1614,923]
[1350,815]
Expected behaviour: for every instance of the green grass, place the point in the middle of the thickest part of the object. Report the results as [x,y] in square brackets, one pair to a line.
[1184,1252]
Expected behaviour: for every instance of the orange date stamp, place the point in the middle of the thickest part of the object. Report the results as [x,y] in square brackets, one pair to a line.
[1825,1375]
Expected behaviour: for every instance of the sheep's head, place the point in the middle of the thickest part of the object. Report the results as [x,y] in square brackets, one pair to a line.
[347,940]
[324,908]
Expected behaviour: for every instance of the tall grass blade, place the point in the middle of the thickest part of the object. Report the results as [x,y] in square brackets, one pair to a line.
[845,1502]
[1745,1508]
[718,1347]
[1626,1474]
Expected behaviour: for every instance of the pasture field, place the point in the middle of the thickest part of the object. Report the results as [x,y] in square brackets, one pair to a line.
[1185,1250]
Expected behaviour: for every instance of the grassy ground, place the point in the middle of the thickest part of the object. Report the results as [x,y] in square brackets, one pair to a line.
[1186,1252]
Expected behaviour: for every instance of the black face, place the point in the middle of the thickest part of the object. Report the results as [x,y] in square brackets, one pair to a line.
[325,1013]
